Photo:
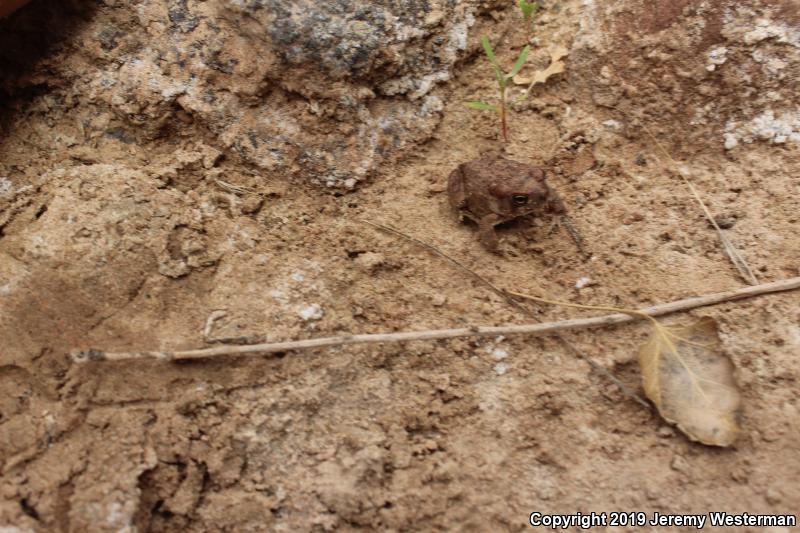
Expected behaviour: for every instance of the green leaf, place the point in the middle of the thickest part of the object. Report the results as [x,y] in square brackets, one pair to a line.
[526,8]
[500,77]
[481,106]
[498,72]
[487,47]
[523,56]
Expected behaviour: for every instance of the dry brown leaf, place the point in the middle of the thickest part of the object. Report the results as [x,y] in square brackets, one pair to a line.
[540,76]
[691,381]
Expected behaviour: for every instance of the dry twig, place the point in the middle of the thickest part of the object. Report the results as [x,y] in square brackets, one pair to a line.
[539,329]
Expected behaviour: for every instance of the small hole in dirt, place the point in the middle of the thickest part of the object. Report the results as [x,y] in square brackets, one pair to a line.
[41,211]
[352,254]
[28,509]
[157,509]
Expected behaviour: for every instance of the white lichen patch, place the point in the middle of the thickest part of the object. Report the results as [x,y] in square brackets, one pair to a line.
[495,350]
[417,87]
[279,296]
[775,129]
[501,368]
[311,312]
[771,65]
[588,35]
[768,29]
[432,104]
[497,353]
[6,187]
[716,57]
[701,115]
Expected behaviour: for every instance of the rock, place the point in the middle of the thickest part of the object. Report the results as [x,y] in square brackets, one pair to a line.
[696,60]
[370,261]
[773,496]
[679,464]
[725,221]
[666,432]
[438,300]
[252,204]
[277,82]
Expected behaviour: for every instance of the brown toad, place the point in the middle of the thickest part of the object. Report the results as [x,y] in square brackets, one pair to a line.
[492,190]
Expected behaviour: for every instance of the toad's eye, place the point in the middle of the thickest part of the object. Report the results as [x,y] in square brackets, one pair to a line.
[520,199]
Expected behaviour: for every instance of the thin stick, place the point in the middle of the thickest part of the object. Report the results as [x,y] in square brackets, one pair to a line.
[733,254]
[539,329]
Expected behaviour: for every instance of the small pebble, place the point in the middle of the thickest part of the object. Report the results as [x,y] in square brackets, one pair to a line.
[725,221]
[252,204]
[773,496]
[438,300]
[666,432]
[370,261]
[679,464]
[740,474]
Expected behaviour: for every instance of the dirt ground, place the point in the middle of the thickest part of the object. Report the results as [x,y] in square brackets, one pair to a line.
[118,242]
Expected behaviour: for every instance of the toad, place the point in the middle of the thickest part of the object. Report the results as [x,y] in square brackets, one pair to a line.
[492,190]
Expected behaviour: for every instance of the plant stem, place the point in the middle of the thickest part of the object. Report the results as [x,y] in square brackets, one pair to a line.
[503,123]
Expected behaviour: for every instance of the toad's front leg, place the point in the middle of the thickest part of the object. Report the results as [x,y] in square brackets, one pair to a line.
[486,232]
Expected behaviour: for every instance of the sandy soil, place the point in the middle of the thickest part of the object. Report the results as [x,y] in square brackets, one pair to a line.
[119,245]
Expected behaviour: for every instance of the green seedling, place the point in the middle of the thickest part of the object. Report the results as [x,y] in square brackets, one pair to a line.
[503,81]
[528,9]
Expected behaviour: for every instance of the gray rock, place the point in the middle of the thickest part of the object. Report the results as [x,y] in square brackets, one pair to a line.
[324,91]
